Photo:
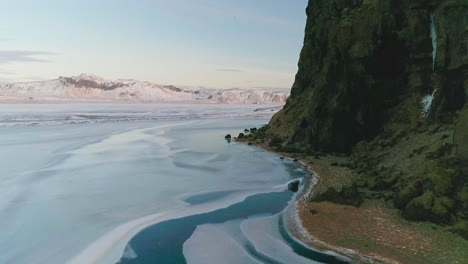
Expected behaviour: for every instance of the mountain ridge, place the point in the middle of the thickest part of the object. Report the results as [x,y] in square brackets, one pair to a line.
[89,87]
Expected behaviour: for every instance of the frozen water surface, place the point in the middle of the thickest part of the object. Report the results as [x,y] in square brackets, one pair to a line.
[78,182]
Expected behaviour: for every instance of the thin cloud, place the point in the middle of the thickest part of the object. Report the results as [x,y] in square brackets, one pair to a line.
[34,78]
[22,78]
[230,70]
[7,56]
[2,72]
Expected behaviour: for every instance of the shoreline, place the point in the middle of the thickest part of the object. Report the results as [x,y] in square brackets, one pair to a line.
[295,228]
[294,223]
[109,247]
[374,232]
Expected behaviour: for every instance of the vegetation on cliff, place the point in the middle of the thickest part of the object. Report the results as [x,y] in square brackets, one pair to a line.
[385,82]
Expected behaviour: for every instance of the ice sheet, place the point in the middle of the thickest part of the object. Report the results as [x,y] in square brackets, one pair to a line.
[68,187]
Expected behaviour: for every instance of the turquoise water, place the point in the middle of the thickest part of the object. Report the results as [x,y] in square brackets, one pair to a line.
[163,242]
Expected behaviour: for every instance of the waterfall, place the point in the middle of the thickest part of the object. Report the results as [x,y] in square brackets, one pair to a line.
[434,40]
[427,103]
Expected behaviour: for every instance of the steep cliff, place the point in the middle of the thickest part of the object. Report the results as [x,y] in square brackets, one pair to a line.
[361,58]
[386,81]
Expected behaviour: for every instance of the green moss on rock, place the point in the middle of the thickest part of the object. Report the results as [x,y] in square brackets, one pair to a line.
[419,208]
[408,193]
[364,67]
[460,228]
[348,195]
[442,181]
[440,213]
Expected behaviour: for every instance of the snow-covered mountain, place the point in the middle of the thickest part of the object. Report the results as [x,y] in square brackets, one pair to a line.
[91,88]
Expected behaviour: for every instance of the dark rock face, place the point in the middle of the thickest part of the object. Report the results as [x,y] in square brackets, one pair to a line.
[363,71]
[91,84]
[179,90]
[362,58]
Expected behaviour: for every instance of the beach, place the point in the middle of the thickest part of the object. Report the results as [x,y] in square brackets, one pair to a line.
[371,233]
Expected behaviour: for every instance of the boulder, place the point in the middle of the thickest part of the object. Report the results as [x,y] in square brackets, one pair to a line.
[330,195]
[351,196]
[441,181]
[294,186]
[420,208]
[348,195]
[440,213]
[409,192]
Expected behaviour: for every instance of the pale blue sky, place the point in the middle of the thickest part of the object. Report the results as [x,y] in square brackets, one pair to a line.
[211,43]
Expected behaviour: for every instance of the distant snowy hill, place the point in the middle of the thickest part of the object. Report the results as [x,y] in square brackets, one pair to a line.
[91,88]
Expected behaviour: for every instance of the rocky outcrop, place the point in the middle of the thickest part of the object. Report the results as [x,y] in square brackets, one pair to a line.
[361,59]
[385,81]
[294,186]
[84,81]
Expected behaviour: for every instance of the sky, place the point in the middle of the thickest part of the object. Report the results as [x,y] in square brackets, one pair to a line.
[203,43]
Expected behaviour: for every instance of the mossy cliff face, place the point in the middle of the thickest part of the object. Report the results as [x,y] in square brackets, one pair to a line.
[361,59]
[386,81]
